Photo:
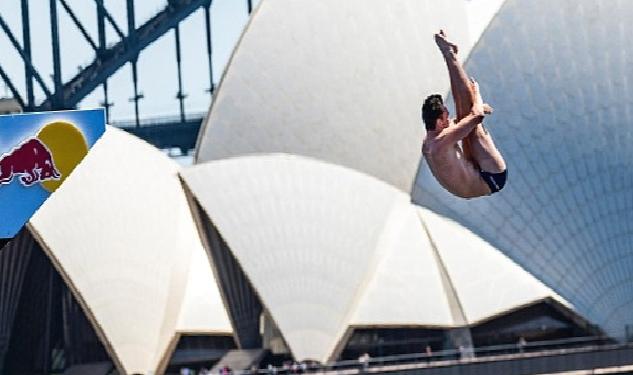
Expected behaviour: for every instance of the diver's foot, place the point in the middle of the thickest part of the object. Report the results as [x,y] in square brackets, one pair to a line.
[444,45]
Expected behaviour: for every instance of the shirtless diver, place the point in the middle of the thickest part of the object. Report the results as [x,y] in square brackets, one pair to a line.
[476,168]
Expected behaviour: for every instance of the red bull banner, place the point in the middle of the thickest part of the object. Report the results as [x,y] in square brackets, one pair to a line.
[38,151]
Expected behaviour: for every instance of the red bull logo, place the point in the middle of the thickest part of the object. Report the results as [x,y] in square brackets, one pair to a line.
[32,161]
[46,158]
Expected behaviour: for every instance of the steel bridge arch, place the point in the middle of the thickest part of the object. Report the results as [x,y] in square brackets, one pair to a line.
[126,50]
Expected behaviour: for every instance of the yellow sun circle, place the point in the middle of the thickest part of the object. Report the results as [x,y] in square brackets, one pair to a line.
[67,146]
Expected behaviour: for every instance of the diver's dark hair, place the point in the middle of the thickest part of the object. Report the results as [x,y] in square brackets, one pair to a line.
[432,109]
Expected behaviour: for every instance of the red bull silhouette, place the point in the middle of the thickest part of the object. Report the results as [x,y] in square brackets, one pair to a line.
[32,160]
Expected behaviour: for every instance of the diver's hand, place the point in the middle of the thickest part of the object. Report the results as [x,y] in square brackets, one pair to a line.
[479,107]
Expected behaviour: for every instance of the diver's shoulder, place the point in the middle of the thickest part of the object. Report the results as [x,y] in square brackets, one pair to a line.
[430,146]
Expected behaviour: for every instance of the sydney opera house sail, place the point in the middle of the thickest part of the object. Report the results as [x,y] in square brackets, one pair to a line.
[124,244]
[339,81]
[327,248]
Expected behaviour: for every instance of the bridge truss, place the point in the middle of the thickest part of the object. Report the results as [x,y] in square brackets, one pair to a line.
[178,132]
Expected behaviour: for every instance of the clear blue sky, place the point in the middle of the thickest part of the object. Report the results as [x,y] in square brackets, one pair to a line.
[157,63]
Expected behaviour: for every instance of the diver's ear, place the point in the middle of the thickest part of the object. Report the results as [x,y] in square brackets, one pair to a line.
[438,123]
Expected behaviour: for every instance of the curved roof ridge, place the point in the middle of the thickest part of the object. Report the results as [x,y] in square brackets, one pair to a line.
[119,229]
[486,280]
[336,106]
[305,232]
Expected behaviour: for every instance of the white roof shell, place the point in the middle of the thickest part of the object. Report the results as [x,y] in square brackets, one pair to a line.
[202,307]
[405,279]
[327,248]
[306,246]
[486,281]
[121,234]
[340,81]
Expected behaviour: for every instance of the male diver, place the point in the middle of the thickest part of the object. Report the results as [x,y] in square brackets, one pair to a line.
[476,168]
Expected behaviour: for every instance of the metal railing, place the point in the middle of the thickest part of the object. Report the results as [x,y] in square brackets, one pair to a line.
[451,356]
[160,120]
